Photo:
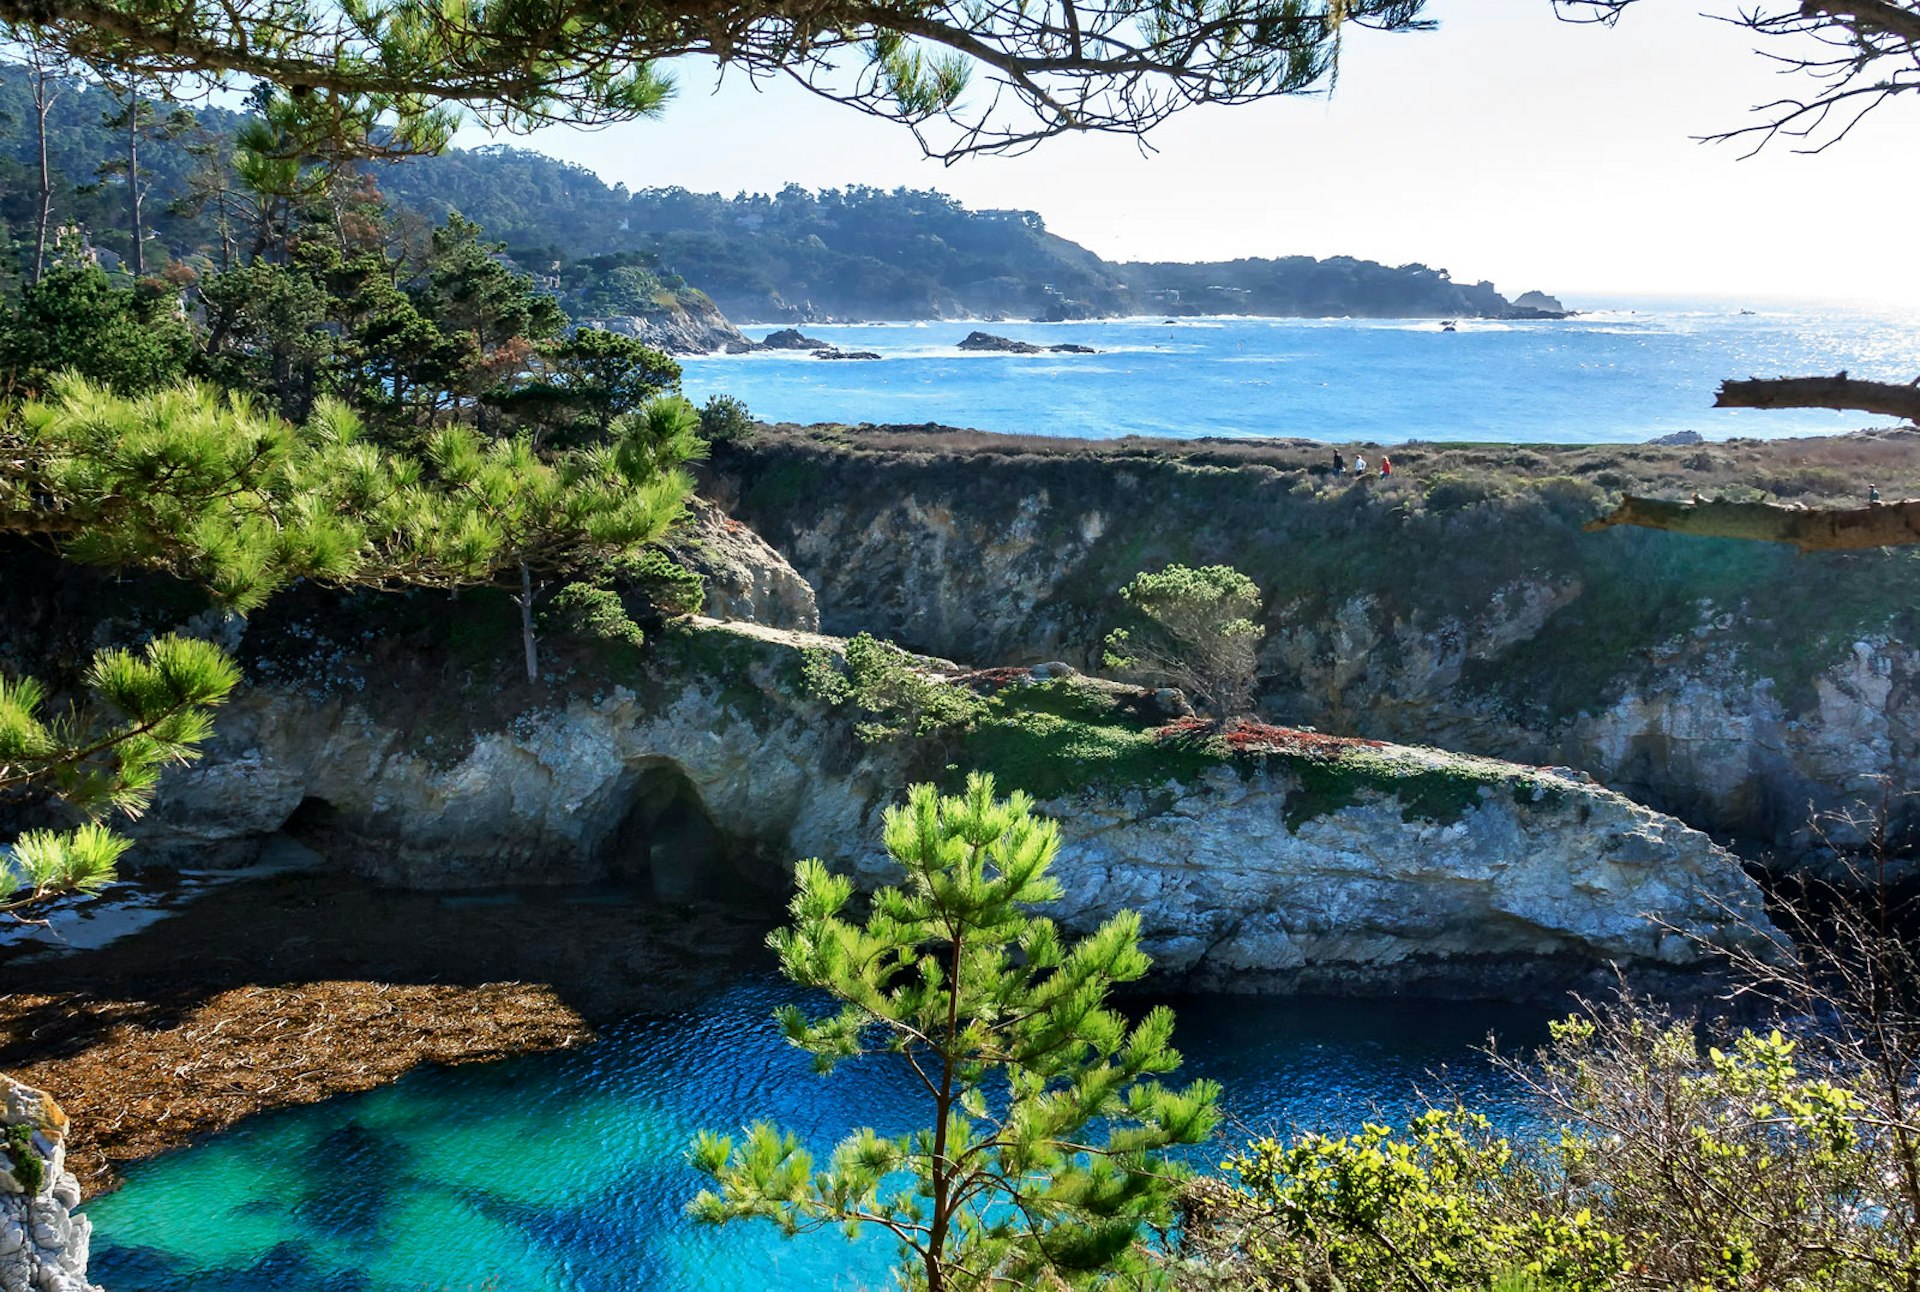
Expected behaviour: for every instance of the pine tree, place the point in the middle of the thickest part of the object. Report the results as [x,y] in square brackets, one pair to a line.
[1046,1151]
[139,120]
[214,490]
[551,518]
[149,709]
[1195,629]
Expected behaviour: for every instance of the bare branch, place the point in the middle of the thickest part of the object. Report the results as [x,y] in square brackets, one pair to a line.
[1822,530]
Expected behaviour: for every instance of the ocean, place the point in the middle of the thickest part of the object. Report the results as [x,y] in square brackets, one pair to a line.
[1628,372]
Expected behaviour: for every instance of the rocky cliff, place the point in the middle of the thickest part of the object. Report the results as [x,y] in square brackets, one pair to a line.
[1732,684]
[702,769]
[43,1245]
[682,323]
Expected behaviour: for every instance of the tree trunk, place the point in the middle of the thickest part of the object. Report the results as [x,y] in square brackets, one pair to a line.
[1891,524]
[943,1102]
[42,103]
[1839,392]
[133,181]
[526,622]
[226,236]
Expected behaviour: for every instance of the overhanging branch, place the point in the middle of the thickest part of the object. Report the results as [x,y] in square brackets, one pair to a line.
[1839,392]
[1809,529]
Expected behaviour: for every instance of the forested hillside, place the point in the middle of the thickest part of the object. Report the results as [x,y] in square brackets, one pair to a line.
[203,208]
[864,253]
[793,256]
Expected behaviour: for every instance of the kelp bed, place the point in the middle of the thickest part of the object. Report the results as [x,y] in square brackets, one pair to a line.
[148,1078]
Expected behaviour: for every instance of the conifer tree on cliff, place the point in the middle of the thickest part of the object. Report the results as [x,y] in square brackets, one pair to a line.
[213,490]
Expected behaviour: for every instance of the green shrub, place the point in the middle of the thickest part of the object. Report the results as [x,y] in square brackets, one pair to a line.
[725,420]
[891,690]
[1449,491]
[29,1168]
[594,614]
[1193,628]
[1761,1162]
[668,586]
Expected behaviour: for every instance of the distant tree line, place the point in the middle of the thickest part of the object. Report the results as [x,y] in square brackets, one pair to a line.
[792,256]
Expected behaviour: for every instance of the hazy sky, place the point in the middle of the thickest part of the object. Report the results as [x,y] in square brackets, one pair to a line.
[1506,145]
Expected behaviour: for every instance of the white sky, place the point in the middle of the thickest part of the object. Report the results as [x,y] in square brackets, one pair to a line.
[1507,145]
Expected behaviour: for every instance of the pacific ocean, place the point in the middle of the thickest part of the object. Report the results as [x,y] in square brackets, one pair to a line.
[1627,372]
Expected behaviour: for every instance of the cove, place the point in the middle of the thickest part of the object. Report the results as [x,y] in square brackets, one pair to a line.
[563,1172]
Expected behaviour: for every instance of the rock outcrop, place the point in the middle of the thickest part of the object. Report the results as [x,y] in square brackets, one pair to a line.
[746,579]
[712,774]
[989,343]
[1732,684]
[792,338]
[43,1245]
[691,324]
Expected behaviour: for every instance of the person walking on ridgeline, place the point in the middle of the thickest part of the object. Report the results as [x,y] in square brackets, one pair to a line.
[1359,465]
[1873,494]
[1386,466]
[1339,463]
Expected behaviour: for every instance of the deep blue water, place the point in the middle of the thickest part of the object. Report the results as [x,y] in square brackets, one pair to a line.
[563,1173]
[1624,374]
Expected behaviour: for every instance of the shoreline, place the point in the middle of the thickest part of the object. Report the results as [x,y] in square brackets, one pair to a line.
[285,991]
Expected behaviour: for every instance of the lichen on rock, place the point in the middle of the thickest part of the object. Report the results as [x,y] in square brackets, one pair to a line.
[43,1244]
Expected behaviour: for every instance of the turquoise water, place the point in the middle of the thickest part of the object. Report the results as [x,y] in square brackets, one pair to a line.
[1622,374]
[562,1173]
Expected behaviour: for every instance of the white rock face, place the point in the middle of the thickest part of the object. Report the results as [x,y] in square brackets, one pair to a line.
[746,579]
[43,1245]
[1544,868]
[1010,564]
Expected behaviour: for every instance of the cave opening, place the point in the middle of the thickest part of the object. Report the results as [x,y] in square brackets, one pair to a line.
[668,844]
[313,823]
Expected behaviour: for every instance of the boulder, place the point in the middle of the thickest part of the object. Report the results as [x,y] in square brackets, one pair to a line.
[746,579]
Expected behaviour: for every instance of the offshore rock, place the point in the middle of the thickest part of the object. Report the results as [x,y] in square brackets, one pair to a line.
[989,342]
[792,338]
[43,1245]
